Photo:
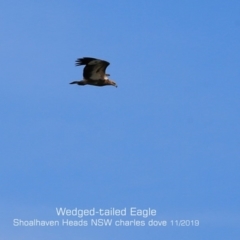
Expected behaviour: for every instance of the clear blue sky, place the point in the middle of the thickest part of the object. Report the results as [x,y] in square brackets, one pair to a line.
[167,138]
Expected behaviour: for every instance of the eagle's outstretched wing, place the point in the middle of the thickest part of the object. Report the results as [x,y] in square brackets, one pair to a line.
[94,69]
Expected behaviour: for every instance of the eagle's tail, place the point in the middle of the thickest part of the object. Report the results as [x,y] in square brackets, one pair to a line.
[78,82]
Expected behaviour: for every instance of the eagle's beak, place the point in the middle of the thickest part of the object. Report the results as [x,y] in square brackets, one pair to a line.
[114,84]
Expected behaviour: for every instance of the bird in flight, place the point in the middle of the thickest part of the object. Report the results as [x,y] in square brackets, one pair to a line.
[94,72]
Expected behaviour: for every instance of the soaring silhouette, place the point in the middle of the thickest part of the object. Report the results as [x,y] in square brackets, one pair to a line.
[94,72]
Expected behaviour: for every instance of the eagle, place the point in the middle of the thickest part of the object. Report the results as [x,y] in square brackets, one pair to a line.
[94,72]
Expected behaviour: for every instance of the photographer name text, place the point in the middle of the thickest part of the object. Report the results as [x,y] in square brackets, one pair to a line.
[100,217]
